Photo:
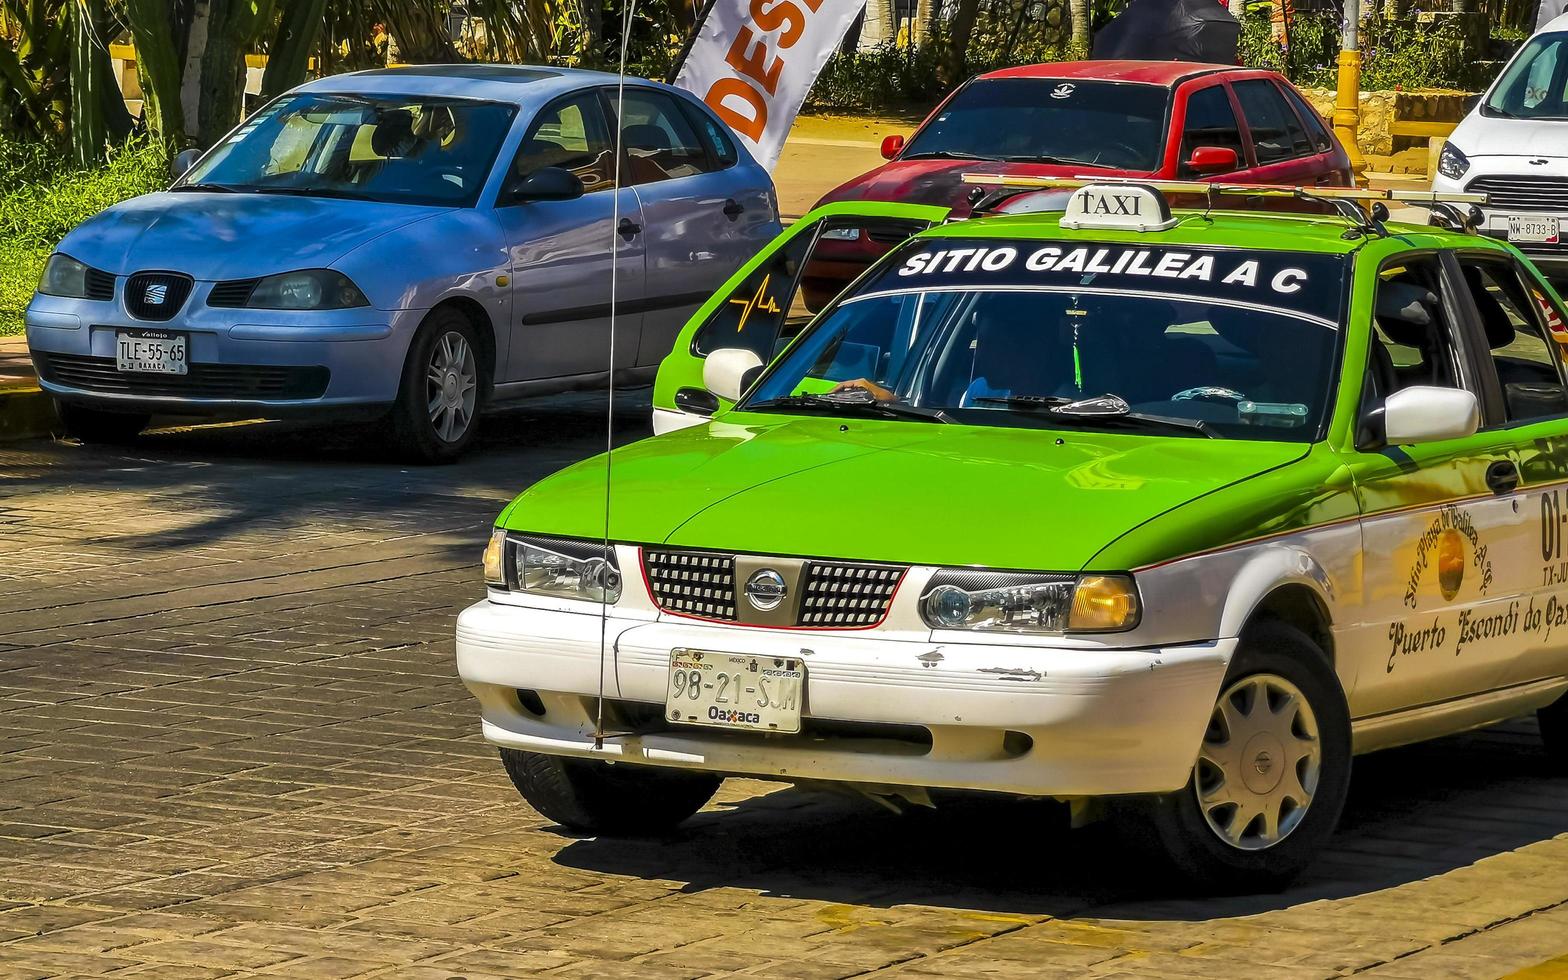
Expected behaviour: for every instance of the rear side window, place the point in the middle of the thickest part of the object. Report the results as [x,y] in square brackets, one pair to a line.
[1316,131]
[1276,132]
[1210,122]
[714,134]
[1526,361]
[660,143]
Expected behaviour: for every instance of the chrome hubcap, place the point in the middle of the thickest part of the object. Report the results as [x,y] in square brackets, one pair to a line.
[1260,762]
[452,386]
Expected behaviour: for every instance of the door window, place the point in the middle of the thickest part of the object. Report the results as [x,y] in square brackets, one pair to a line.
[1210,122]
[571,134]
[1276,132]
[1527,361]
[1412,338]
[715,135]
[659,140]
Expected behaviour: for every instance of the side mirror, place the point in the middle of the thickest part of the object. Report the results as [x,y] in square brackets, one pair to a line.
[1213,160]
[183,162]
[1425,414]
[726,372]
[892,146]
[548,184]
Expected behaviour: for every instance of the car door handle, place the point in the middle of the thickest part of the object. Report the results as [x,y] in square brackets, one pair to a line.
[628,228]
[733,209]
[1502,476]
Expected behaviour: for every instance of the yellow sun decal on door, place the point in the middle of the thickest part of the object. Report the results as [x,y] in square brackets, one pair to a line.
[1450,563]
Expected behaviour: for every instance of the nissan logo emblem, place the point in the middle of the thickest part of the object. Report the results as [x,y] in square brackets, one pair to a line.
[766,589]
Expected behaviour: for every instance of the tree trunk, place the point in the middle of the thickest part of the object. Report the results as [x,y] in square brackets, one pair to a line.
[955,58]
[419,30]
[191,56]
[880,26]
[1078,13]
[288,57]
[1238,9]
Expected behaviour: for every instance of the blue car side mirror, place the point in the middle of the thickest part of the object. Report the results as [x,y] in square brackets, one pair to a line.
[548,184]
[183,162]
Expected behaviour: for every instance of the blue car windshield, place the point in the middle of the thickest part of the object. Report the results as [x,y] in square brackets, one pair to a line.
[1226,343]
[400,149]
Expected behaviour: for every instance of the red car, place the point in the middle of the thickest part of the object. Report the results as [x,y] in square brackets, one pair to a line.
[1168,120]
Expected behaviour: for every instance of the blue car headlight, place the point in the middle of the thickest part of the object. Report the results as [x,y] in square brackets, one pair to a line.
[308,289]
[64,276]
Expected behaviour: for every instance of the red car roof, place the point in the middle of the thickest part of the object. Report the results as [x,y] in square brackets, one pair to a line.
[1165,73]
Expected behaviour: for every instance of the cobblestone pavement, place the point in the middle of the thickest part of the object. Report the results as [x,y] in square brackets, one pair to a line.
[232,743]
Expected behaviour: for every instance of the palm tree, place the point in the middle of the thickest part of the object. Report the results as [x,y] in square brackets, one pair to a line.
[1078,13]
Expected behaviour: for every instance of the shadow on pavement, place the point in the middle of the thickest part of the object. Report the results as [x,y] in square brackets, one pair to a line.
[1413,813]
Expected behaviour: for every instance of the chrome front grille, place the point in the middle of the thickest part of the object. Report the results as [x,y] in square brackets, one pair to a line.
[842,594]
[821,593]
[1522,192]
[694,583]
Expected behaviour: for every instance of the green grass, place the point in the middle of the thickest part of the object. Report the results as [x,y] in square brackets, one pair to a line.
[42,197]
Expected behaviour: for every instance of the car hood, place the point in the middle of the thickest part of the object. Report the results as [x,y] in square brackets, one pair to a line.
[1490,136]
[892,491]
[941,181]
[232,236]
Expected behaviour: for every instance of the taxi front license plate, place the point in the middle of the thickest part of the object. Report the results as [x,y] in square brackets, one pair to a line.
[150,351]
[735,691]
[1539,228]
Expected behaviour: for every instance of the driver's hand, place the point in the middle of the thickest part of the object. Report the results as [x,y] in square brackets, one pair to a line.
[878,392]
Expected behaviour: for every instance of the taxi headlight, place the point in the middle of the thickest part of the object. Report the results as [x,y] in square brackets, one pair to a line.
[559,567]
[1023,602]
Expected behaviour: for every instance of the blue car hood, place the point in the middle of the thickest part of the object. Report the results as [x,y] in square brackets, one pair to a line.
[232,236]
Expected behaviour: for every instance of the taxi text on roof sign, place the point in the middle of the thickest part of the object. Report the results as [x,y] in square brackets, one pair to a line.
[1131,207]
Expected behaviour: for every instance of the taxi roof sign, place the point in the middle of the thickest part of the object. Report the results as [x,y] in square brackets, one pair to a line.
[1131,207]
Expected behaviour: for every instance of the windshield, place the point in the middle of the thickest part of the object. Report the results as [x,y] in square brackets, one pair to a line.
[1535,84]
[1233,344]
[401,149]
[1102,124]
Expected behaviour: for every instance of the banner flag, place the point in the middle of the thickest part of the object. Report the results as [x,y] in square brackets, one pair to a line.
[754,61]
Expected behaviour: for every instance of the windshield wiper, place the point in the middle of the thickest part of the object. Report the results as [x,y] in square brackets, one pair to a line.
[1108,409]
[1043,158]
[308,192]
[212,188]
[948,155]
[854,404]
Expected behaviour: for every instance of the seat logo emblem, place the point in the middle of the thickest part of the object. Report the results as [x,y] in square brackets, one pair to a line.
[766,589]
[1064,91]
[156,293]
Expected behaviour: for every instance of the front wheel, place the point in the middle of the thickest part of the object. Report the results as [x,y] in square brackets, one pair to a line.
[1272,773]
[601,798]
[442,389]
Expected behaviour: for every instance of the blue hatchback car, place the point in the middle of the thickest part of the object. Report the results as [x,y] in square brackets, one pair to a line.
[416,242]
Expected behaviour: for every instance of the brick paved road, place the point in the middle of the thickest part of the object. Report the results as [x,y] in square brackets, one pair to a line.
[232,743]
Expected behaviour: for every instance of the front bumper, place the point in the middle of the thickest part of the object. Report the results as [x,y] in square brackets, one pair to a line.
[241,360]
[1031,720]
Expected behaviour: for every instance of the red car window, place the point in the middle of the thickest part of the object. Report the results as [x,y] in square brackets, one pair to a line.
[1276,132]
[1210,121]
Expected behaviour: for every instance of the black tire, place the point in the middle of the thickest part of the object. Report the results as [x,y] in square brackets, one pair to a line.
[1554,732]
[418,436]
[600,798]
[92,425]
[1176,820]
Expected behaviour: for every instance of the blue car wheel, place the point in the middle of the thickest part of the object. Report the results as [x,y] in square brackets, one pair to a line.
[442,390]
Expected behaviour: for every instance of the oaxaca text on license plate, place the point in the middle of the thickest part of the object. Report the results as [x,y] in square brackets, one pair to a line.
[150,351]
[1541,228]
[727,690]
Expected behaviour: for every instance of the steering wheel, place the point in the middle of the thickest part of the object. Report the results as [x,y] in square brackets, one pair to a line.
[1210,393]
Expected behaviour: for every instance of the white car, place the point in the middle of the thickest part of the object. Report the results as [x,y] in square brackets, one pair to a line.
[1513,147]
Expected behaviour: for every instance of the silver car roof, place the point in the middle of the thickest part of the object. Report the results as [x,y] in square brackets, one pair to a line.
[516,84]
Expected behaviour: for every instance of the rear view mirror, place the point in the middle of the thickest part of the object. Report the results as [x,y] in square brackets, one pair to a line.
[727,372]
[1213,160]
[548,184]
[183,162]
[1426,414]
[892,146]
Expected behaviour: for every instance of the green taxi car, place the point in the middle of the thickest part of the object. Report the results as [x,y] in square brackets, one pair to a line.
[1173,512]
